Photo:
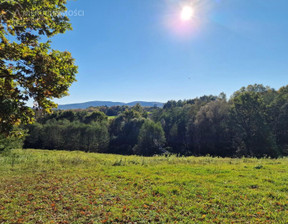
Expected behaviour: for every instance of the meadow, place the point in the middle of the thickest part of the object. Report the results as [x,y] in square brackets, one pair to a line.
[38,186]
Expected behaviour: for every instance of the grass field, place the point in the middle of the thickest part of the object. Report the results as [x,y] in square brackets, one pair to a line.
[75,187]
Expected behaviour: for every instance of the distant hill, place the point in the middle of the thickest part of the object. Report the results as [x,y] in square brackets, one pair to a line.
[106,103]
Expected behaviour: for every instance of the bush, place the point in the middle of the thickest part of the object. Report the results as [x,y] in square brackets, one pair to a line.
[13,142]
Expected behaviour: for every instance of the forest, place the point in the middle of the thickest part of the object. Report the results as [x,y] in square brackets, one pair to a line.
[252,123]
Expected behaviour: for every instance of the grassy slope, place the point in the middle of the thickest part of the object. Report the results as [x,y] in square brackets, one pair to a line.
[74,187]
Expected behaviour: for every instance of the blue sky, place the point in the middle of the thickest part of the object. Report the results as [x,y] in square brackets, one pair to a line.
[131,50]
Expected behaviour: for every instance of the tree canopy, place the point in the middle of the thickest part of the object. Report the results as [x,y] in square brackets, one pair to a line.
[29,68]
[253,122]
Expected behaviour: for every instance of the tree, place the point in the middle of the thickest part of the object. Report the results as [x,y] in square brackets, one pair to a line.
[124,131]
[282,128]
[29,68]
[96,137]
[174,123]
[95,116]
[212,134]
[278,115]
[35,136]
[151,139]
[253,135]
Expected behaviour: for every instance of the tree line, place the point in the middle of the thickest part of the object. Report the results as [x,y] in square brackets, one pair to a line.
[253,122]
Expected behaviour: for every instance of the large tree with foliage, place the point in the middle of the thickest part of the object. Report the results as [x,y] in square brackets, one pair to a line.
[278,114]
[124,131]
[29,68]
[253,134]
[212,133]
[151,139]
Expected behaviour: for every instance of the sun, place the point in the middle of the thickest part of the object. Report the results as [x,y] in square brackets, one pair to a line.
[187,13]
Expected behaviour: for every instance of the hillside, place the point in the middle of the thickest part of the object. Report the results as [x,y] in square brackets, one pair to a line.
[107,103]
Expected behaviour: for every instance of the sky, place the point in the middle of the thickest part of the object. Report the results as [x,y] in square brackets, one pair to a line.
[130,50]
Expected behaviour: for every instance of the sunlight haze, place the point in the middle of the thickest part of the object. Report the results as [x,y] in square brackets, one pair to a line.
[141,50]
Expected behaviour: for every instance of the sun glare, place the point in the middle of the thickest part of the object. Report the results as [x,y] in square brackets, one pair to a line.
[187,13]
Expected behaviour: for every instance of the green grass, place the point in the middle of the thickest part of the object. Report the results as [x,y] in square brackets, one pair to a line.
[75,187]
